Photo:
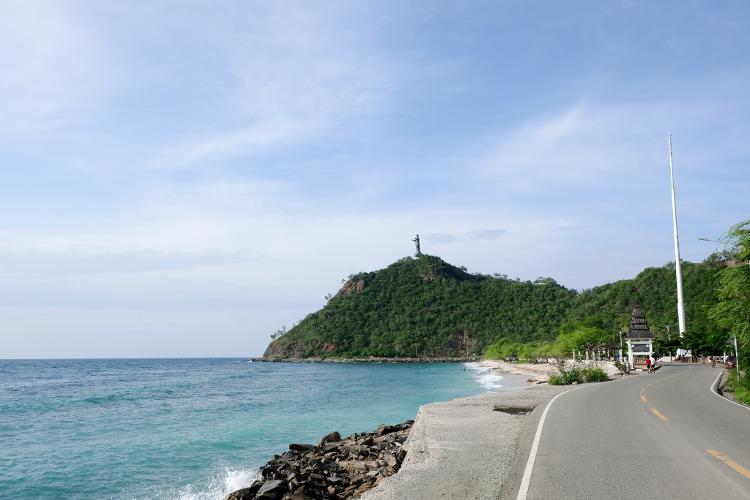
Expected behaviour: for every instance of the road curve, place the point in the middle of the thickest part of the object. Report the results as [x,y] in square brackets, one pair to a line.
[661,435]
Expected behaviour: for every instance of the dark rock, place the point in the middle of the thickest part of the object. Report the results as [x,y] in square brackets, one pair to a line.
[330,438]
[273,489]
[336,469]
[386,429]
[245,493]
[302,447]
[297,495]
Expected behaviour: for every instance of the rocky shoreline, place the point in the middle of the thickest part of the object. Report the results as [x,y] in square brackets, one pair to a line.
[335,468]
[369,359]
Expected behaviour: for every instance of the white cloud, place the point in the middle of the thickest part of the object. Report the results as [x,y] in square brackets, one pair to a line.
[581,145]
[290,73]
[244,141]
[51,66]
[478,234]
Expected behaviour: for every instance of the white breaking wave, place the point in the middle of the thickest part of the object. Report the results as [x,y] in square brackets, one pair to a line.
[488,378]
[221,485]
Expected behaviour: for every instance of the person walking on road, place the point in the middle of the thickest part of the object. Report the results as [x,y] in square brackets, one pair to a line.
[648,364]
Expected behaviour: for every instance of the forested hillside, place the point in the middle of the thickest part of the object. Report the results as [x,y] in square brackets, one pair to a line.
[424,306]
[655,290]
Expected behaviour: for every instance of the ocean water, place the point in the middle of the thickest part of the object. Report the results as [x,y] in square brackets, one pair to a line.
[192,428]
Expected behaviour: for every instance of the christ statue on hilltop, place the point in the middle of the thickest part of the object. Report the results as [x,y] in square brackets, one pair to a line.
[416,242]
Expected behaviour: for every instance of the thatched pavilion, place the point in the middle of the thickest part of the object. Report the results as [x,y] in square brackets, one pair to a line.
[639,338]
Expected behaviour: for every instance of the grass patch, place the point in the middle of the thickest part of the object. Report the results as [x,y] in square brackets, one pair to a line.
[595,375]
[740,390]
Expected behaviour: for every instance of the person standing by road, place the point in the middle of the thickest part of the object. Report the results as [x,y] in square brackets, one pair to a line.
[648,364]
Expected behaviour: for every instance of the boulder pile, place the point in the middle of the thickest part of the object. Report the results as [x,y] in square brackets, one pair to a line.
[335,468]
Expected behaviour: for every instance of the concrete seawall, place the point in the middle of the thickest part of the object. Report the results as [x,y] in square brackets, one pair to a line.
[463,448]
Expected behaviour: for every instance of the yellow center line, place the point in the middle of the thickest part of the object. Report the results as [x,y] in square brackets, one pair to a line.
[643,398]
[729,462]
[658,414]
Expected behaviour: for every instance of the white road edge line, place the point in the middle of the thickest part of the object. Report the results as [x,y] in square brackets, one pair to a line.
[523,490]
[713,389]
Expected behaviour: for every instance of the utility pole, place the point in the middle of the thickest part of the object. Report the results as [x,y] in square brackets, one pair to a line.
[736,359]
[678,267]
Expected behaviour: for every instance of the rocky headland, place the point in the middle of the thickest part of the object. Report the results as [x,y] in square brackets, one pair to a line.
[368,359]
[333,468]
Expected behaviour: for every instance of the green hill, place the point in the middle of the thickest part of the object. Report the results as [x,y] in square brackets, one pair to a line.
[426,307]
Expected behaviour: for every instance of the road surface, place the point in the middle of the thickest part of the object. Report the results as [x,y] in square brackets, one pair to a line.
[661,435]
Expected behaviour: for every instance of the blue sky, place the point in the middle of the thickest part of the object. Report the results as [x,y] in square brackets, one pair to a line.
[183,178]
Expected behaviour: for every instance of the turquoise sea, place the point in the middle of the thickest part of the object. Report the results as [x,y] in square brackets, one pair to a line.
[192,428]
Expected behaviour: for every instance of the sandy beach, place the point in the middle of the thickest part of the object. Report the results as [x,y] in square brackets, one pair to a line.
[540,372]
[535,372]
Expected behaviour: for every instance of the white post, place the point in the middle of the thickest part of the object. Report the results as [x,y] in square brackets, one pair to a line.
[630,354]
[678,267]
[651,351]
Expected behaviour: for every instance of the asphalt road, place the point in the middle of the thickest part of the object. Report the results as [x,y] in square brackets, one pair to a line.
[661,435]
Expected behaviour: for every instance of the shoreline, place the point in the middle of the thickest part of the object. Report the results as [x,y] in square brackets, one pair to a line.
[335,467]
[445,437]
[540,373]
[537,373]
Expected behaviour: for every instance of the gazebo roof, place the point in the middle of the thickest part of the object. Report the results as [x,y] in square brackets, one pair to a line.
[638,326]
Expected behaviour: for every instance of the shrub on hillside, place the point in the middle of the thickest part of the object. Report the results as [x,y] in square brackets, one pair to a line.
[577,375]
[595,375]
[567,376]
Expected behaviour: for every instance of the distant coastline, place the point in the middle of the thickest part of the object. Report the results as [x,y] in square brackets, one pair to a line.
[369,359]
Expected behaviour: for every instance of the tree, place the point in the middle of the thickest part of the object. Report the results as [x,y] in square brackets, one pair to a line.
[666,344]
[732,309]
[279,333]
[583,336]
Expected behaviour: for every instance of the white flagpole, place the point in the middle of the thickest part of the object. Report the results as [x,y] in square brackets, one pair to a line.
[678,267]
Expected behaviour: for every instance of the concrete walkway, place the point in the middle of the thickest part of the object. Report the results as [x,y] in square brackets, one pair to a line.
[462,449]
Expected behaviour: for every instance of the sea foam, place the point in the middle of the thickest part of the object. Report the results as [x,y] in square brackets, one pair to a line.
[485,376]
[220,486]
